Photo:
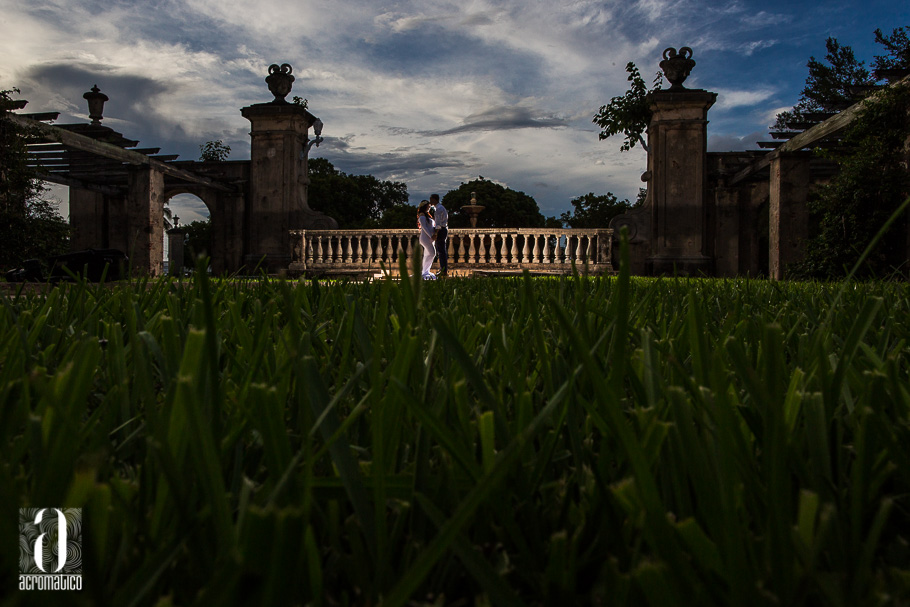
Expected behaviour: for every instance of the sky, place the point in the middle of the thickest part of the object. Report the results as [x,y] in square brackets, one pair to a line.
[430,93]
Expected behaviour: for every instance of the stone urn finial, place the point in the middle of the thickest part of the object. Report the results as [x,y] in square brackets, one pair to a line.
[96,101]
[280,81]
[676,66]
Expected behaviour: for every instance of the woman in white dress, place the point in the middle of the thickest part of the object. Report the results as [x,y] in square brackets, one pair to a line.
[427,228]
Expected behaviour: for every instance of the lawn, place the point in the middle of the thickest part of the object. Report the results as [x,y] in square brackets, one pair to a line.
[612,440]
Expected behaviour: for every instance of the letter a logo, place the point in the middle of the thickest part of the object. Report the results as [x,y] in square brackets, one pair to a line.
[61,541]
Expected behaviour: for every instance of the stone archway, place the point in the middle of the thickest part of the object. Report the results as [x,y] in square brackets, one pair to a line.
[186,209]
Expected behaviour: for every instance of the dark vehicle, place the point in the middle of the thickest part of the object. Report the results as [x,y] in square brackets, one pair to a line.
[92,263]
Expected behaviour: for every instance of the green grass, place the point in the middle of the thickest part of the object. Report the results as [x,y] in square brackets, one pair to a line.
[622,441]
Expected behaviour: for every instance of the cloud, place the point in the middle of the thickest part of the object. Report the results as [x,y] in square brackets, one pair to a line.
[733,143]
[505,118]
[731,99]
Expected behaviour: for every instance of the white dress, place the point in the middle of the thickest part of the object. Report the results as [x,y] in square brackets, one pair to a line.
[427,225]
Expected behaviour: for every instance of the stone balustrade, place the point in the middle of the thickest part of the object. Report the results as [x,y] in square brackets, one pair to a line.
[470,250]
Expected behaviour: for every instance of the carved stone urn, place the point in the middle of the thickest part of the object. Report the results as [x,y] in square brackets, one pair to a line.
[676,66]
[96,101]
[280,81]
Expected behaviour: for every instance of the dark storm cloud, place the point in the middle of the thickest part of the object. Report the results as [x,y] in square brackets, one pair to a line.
[133,108]
[398,164]
[505,118]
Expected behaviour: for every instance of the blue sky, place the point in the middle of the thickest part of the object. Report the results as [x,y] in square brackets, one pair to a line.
[430,93]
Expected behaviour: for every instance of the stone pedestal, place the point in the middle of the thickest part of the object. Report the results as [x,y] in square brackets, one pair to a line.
[678,145]
[176,240]
[788,215]
[278,183]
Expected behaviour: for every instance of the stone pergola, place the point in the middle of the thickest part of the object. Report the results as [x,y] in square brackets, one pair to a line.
[118,191]
[723,214]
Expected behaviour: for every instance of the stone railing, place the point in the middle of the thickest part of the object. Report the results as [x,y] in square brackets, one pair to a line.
[470,250]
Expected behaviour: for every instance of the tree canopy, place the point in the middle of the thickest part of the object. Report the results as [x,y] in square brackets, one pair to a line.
[30,226]
[503,207]
[596,211]
[833,83]
[356,201]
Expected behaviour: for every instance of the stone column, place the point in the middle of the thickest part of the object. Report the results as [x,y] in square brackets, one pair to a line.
[727,231]
[678,146]
[145,221]
[176,238]
[788,215]
[87,219]
[278,180]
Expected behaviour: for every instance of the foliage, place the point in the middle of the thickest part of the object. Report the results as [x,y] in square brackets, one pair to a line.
[630,113]
[897,45]
[30,226]
[35,232]
[214,151]
[554,441]
[592,211]
[398,216]
[304,103]
[197,241]
[871,183]
[503,207]
[355,201]
[832,83]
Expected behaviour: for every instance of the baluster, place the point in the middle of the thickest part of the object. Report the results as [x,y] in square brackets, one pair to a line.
[458,248]
[472,252]
[546,248]
[535,253]
[386,246]
[368,254]
[526,250]
[579,251]
[481,248]
[503,251]
[513,257]
[559,255]
[589,254]
[308,248]
[318,256]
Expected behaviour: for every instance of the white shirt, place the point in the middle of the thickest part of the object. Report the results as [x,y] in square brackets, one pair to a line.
[441,216]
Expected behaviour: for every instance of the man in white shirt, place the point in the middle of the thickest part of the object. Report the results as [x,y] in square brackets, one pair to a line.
[441,217]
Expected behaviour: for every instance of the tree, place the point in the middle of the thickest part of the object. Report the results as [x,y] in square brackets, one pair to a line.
[30,226]
[214,151]
[591,211]
[630,113]
[503,207]
[897,46]
[355,201]
[832,83]
[872,181]
[198,241]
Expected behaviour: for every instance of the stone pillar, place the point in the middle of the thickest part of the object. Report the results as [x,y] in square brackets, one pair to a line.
[87,219]
[278,180]
[788,215]
[145,221]
[175,244]
[677,139]
[727,232]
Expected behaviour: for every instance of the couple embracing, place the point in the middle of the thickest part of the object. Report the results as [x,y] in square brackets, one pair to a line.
[434,235]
